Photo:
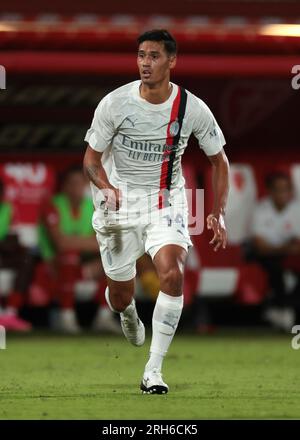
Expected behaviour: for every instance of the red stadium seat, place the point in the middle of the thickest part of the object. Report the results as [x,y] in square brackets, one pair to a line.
[27,186]
[224,273]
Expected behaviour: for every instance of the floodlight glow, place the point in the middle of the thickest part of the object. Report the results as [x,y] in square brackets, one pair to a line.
[281,30]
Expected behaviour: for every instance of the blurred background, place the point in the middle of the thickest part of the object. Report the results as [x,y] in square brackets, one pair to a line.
[60,59]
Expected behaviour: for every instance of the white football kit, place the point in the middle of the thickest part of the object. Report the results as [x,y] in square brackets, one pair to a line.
[142,145]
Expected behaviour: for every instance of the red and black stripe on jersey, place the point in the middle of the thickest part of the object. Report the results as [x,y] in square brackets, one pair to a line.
[172,140]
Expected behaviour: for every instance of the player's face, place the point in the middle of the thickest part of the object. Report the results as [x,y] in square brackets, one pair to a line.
[154,63]
[74,186]
[281,192]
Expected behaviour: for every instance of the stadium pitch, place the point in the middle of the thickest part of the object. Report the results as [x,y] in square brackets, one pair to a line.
[229,376]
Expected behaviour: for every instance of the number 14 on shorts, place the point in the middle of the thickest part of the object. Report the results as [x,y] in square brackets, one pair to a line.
[178,220]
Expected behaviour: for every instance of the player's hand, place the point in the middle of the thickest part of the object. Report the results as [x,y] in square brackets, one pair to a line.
[217,224]
[113,198]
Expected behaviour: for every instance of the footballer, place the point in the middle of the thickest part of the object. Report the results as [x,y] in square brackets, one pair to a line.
[133,159]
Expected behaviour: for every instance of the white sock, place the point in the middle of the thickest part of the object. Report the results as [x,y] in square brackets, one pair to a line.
[128,312]
[106,294]
[166,315]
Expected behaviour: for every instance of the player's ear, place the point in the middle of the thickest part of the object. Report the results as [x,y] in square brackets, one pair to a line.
[172,61]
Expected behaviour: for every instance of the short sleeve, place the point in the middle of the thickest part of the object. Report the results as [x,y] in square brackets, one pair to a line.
[206,128]
[101,132]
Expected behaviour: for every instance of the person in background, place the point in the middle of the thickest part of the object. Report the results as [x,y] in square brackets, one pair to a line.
[276,236]
[14,257]
[68,241]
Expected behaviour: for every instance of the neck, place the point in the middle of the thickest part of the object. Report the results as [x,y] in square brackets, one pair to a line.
[279,207]
[156,93]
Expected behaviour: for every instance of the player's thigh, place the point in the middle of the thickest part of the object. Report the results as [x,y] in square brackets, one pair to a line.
[120,246]
[169,228]
[170,256]
[168,247]
[169,262]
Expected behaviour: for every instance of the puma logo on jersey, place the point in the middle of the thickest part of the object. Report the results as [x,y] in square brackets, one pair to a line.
[213,133]
[131,121]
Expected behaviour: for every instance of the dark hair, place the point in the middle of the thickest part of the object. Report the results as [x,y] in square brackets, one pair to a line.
[160,35]
[64,176]
[276,175]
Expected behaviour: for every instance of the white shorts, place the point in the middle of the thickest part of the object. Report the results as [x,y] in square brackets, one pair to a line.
[122,244]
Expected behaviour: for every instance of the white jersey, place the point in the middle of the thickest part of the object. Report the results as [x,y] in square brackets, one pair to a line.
[276,227]
[143,143]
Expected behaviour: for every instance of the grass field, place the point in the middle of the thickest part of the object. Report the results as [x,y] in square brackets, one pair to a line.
[231,375]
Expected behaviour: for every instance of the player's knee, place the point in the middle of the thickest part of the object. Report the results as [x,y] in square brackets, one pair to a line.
[119,303]
[171,280]
[120,298]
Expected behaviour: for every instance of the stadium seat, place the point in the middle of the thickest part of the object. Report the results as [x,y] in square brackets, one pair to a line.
[27,186]
[224,273]
[241,201]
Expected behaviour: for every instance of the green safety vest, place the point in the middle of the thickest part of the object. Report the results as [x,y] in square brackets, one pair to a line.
[5,219]
[68,224]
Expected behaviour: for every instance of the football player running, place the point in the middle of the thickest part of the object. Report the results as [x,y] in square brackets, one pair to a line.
[135,144]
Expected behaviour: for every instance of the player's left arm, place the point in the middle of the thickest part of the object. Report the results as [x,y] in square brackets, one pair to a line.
[211,141]
[220,182]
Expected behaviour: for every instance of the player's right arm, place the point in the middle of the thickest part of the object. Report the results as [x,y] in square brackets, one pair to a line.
[95,172]
[99,137]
